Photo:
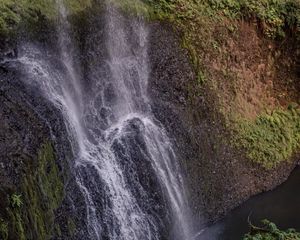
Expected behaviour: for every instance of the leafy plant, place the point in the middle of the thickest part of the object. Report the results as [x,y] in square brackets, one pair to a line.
[275,16]
[269,231]
[16,200]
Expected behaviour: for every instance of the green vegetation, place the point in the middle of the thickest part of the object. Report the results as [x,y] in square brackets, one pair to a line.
[71,227]
[134,7]
[43,193]
[16,200]
[275,16]
[16,223]
[207,26]
[3,230]
[14,13]
[200,22]
[271,138]
[77,5]
[269,231]
[32,214]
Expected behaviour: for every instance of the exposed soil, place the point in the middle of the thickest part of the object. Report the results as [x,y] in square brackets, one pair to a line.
[218,175]
[250,73]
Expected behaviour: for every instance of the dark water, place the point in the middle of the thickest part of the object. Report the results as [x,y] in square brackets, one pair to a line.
[281,206]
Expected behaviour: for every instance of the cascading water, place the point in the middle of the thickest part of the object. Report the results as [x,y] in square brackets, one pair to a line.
[125,165]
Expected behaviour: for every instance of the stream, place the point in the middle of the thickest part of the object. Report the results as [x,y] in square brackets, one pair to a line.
[280,206]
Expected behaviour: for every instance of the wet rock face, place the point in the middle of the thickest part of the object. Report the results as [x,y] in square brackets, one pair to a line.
[129,149]
[34,163]
[36,153]
[21,130]
[218,176]
[29,121]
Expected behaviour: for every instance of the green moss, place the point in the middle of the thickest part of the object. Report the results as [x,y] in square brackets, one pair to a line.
[13,13]
[16,200]
[71,227]
[16,224]
[75,6]
[271,138]
[134,7]
[274,137]
[43,193]
[201,78]
[57,230]
[31,214]
[24,14]
[276,15]
[3,229]
[269,231]
[48,176]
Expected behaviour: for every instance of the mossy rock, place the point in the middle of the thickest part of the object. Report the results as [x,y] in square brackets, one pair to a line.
[32,214]
[271,138]
[28,14]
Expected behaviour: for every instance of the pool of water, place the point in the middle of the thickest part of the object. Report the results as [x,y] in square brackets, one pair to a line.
[281,206]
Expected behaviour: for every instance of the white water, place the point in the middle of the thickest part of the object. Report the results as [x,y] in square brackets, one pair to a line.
[100,158]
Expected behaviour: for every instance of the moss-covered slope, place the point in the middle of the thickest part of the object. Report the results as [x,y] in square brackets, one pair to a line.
[222,111]
[34,170]
[20,15]
[245,54]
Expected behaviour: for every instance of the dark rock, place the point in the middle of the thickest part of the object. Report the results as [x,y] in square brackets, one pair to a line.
[218,176]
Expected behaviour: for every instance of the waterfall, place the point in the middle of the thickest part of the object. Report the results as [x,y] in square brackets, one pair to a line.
[125,164]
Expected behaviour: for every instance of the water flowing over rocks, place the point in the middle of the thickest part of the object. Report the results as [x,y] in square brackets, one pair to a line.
[119,178]
[106,103]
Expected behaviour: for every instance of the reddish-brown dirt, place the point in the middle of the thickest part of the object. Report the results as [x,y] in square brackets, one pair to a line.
[249,73]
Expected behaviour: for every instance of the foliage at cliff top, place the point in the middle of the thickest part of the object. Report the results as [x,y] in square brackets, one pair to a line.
[14,12]
[275,16]
[269,231]
[133,7]
[208,27]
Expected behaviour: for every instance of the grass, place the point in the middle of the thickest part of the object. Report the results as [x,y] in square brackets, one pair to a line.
[271,138]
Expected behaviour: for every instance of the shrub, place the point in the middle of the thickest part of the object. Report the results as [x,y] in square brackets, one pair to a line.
[271,138]
[14,12]
[275,16]
[269,231]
